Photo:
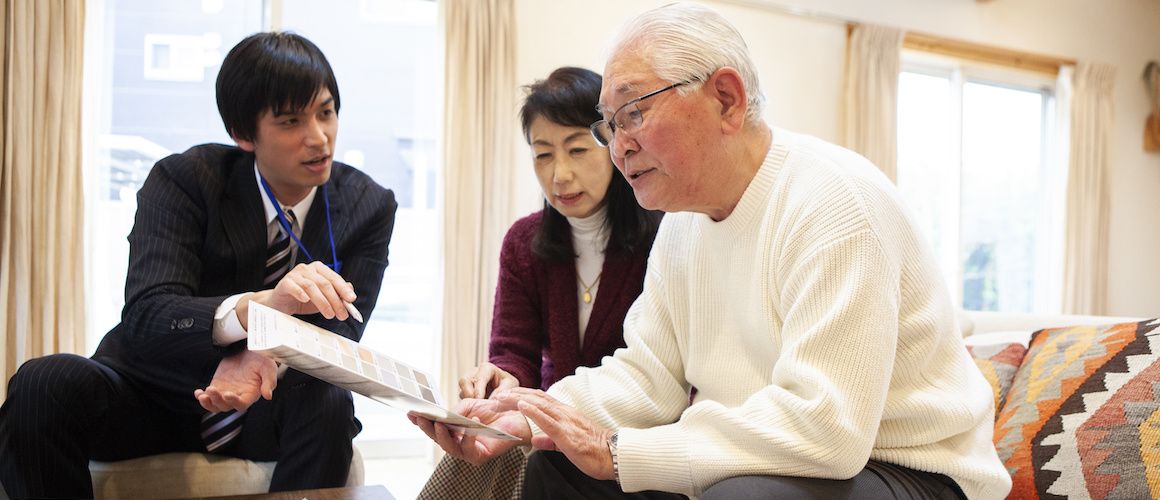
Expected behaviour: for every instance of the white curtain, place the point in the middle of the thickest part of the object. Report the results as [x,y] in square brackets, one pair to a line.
[480,124]
[870,111]
[1085,274]
[41,198]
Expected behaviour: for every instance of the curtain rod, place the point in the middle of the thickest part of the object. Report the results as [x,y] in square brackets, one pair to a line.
[792,10]
[929,43]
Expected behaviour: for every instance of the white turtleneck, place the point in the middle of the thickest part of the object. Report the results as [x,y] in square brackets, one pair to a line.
[589,237]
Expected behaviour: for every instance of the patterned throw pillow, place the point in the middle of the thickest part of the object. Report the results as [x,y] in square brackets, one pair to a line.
[998,362]
[1082,418]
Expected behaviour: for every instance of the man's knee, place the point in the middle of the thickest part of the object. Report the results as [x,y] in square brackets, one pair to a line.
[781,487]
[537,464]
[548,467]
[734,487]
[321,403]
[337,402]
[56,377]
[339,409]
[45,392]
[538,468]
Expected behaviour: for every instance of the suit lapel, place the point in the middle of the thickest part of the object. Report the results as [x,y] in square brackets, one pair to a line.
[242,217]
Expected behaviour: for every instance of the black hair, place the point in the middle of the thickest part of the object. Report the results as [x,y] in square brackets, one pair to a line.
[569,97]
[276,71]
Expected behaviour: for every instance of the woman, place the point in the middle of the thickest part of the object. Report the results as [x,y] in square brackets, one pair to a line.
[568,273]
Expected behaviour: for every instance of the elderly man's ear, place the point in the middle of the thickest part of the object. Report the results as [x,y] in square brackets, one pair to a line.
[726,87]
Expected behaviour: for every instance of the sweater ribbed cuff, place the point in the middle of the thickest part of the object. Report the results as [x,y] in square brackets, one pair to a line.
[654,459]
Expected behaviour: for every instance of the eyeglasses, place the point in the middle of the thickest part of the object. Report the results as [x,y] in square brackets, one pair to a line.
[605,130]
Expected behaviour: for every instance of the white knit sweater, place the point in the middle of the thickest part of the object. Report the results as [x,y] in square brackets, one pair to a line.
[816,328]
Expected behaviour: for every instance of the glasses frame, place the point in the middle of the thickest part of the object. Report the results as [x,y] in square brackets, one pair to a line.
[612,124]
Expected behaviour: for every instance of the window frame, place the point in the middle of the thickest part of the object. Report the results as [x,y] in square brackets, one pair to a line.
[1053,146]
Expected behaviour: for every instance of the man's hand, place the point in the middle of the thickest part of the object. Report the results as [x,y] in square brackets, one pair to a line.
[472,448]
[566,430]
[306,289]
[238,382]
[485,379]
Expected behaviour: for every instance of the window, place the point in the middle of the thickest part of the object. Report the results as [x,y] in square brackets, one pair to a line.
[390,117]
[150,93]
[148,56]
[978,164]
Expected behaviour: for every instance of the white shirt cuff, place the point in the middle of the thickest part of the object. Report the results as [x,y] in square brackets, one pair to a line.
[226,327]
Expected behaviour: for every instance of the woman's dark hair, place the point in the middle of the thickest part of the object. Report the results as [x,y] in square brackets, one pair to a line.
[569,97]
[281,72]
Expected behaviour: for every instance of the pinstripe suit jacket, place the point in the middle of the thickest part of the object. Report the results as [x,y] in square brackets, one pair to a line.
[199,237]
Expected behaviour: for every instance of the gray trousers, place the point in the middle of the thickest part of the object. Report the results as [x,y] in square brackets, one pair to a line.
[550,475]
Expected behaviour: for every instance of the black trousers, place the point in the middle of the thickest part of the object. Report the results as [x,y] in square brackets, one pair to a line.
[64,410]
[550,475]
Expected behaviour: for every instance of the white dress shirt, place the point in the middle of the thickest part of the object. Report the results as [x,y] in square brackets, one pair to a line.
[227,329]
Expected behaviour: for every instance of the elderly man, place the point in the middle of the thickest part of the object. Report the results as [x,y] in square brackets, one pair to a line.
[787,286]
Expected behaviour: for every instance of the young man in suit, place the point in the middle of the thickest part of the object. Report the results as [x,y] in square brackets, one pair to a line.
[213,234]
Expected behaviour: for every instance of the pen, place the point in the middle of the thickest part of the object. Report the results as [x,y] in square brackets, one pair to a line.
[353,311]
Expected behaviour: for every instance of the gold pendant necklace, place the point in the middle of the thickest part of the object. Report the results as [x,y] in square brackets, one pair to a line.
[588,288]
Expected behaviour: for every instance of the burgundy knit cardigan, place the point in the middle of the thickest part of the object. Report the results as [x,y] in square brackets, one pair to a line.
[535,326]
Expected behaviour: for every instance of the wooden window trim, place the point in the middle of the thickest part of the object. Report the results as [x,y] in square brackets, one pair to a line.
[981,53]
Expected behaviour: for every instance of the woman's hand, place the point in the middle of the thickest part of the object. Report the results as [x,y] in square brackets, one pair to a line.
[484,380]
[475,449]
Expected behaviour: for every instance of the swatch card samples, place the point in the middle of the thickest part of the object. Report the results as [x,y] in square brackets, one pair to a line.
[348,364]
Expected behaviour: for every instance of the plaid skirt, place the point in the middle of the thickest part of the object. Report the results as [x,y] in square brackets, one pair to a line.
[502,478]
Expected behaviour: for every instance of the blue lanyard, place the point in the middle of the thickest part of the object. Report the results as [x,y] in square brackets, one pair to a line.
[336,265]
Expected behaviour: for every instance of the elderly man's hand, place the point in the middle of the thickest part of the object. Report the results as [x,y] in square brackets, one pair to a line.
[566,430]
[472,448]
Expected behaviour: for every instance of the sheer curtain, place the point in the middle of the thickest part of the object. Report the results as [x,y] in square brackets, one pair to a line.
[478,151]
[1085,260]
[41,195]
[870,114]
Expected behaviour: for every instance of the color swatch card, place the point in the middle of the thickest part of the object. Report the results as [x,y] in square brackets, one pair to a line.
[350,365]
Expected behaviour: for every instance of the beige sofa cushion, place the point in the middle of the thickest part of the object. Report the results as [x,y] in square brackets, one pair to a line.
[985,321]
[177,475]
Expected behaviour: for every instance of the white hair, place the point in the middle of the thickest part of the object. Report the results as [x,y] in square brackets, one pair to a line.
[688,42]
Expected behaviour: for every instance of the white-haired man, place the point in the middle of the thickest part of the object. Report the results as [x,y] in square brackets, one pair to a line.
[786,285]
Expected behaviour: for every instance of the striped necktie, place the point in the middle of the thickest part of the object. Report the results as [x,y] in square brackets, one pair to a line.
[280,255]
[219,429]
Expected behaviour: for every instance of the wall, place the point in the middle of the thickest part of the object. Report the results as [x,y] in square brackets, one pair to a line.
[801,60]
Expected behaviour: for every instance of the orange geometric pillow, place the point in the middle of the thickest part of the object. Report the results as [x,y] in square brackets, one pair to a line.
[1082,418]
[998,362]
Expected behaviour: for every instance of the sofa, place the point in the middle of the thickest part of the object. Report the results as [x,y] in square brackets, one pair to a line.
[186,475]
[1077,402]
[1077,415]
